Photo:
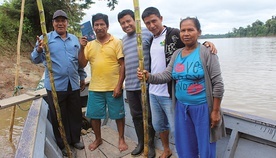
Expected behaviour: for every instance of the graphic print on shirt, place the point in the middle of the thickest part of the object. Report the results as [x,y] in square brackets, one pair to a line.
[170,48]
[189,75]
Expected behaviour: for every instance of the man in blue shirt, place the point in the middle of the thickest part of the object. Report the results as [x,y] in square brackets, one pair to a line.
[68,79]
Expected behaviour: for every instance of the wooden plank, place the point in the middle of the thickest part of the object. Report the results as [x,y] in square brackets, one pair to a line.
[80,153]
[26,143]
[109,148]
[87,139]
[41,130]
[256,129]
[232,144]
[51,148]
[250,118]
[31,95]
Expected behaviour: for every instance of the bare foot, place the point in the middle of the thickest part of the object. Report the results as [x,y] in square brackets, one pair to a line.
[166,154]
[95,144]
[122,145]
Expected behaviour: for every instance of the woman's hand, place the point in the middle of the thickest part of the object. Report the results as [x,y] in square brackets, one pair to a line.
[215,118]
[140,74]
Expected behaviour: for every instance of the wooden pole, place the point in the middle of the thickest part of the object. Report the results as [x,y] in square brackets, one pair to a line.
[51,76]
[17,68]
[143,81]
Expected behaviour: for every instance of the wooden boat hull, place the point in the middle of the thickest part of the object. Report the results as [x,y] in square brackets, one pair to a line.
[248,136]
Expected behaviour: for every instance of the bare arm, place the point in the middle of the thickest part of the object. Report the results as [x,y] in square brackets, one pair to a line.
[215,114]
[118,89]
[82,61]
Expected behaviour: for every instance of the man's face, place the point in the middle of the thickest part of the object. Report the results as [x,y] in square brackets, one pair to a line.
[128,24]
[60,25]
[154,24]
[100,28]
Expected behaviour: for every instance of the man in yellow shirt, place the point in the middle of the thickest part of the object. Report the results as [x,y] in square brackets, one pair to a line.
[107,75]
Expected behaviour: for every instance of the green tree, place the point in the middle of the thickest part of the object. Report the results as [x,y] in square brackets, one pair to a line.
[10,16]
[271,26]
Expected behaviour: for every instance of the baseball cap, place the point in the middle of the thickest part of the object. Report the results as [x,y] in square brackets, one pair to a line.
[60,13]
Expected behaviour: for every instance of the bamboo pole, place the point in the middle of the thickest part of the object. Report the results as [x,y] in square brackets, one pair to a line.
[143,81]
[51,76]
[17,68]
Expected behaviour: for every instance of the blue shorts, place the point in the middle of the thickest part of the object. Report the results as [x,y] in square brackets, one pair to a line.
[99,102]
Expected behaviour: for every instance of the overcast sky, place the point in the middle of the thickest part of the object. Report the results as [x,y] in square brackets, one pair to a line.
[215,16]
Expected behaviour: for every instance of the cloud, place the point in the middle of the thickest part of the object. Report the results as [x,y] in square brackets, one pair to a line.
[216,17]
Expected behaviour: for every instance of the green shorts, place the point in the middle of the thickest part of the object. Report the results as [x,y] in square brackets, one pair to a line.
[101,102]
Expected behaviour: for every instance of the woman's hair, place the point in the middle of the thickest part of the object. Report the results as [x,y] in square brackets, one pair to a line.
[99,16]
[195,21]
[124,13]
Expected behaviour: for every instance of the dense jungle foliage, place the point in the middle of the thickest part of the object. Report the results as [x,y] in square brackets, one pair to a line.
[10,17]
[256,29]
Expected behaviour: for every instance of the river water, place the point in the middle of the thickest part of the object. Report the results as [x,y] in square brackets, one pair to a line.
[248,69]
[249,72]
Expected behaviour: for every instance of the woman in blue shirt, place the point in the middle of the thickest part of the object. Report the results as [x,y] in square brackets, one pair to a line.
[198,90]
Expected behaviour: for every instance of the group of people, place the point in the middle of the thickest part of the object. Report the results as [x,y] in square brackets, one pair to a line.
[185,84]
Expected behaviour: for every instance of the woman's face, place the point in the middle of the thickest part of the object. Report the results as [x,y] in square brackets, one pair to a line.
[189,33]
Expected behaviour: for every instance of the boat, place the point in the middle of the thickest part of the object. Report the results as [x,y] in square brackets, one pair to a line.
[248,136]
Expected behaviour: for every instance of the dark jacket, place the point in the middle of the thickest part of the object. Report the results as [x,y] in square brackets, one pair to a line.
[172,43]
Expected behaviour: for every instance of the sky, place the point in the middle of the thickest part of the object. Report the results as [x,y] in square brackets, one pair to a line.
[215,16]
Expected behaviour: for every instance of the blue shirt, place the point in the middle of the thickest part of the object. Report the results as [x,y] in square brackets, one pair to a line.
[189,75]
[64,56]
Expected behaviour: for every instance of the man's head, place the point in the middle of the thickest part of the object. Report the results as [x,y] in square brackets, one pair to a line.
[127,21]
[60,22]
[100,24]
[153,20]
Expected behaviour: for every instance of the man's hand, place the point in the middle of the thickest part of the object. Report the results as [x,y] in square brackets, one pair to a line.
[83,41]
[82,85]
[117,92]
[211,45]
[40,46]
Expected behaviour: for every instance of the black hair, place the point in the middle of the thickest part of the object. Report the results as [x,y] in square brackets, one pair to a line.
[149,11]
[124,13]
[195,21]
[99,16]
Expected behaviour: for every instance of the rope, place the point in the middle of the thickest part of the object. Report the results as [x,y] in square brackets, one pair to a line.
[18,88]
[17,91]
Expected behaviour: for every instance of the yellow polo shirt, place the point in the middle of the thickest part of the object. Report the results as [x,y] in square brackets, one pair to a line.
[104,63]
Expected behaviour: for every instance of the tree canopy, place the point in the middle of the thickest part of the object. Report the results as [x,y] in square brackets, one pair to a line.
[10,17]
[256,29]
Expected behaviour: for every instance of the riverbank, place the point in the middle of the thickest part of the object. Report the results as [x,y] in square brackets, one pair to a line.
[29,74]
